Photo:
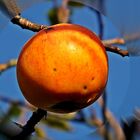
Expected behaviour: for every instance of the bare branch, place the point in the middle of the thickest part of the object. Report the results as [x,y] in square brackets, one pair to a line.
[26,24]
[108,44]
[113,122]
[63,12]
[96,121]
[28,128]
[16,102]
[118,41]
[116,50]
[8,65]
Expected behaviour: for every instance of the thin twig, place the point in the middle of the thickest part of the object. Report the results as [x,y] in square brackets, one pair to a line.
[105,121]
[116,50]
[108,44]
[118,41]
[16,102]
[119,135]
[101,25]
[63,12]
[101,33]
[96,121]
[9,64]
[26,24]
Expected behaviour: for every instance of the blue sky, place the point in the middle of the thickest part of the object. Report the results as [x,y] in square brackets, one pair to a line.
[124,78]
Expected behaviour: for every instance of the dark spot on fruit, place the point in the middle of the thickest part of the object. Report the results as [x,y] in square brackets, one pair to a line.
[54,69]
[84,87]
[92,78]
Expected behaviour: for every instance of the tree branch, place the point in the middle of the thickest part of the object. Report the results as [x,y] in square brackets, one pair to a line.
[118,41]
[9,64]
[119,135]
[26,24]
[109,46]
[19,103]
[116,50]
[28,128]
[63,12]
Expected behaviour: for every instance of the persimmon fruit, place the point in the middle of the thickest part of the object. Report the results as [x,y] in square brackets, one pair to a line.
[63,68]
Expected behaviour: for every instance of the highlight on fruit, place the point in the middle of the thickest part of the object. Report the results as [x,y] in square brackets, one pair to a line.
[63,68]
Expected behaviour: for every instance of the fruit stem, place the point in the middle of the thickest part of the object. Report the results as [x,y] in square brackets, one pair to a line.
[28,128]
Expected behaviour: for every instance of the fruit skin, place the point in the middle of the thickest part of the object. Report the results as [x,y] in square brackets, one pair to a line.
[63,68]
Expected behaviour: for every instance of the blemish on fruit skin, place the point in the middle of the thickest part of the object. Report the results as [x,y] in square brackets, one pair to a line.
[54,69]
[85,87]
[92,78]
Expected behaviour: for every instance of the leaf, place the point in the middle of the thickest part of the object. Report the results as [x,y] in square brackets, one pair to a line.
[52,15]
[59,124]
[40,132]
[14,111]
[67,117]
[75,4]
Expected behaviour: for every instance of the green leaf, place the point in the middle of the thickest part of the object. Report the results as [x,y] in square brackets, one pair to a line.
[67,117]
[14,110]
[52,14]
[40,132]
[59,124]
[75,4]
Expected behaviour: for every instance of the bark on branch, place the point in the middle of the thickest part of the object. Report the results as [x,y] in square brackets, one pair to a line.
[9,64]
[116,50]
[109,45]
[119,135]
[29,127]
[26,24]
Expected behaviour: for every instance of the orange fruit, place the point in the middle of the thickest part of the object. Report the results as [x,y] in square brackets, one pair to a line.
[63,68]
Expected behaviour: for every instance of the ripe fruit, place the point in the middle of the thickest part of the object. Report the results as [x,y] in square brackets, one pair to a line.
[63,68]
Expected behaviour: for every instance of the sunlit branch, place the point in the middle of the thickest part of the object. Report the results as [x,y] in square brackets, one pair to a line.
[109,45]
[26,24]
[118,41]
[9,64]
